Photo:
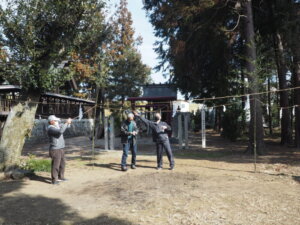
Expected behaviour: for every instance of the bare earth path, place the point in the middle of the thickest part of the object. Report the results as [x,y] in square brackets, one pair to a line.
[212,186]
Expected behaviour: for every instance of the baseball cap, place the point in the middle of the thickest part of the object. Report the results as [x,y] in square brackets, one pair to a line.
[53,118]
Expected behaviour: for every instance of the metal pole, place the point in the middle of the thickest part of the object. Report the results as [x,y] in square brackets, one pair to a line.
[203,127]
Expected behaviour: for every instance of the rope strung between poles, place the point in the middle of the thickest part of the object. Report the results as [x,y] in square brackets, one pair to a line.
[195,99]
[85,112]
[245,95]
[236,96]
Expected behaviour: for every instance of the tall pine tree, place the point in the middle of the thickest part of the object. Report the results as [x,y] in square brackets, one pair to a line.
[127,71]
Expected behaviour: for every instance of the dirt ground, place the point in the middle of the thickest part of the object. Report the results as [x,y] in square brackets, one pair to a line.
[216,185]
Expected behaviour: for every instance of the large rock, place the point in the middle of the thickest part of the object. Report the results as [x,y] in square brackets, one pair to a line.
[17,174]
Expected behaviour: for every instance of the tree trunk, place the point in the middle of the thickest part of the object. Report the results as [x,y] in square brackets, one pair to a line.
[18,126]
[244,98]
[256,122]
[218,116]
[286,129]
[100,114]
[296,74]
[270,108]
[295,47]
[286,134]
[278,103]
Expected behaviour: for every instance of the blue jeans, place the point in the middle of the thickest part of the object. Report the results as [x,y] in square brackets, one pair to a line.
[159,151]
[133,149]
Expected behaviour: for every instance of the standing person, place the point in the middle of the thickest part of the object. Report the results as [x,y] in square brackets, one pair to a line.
[56,149]
[129,133]
[161,138]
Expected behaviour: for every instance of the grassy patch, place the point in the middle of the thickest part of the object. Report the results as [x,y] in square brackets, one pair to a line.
[36,165]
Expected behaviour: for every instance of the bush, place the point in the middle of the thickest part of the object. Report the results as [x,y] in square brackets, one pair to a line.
[232,123]
[36,165]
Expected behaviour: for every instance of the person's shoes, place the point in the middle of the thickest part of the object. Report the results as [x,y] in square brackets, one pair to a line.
[55,182]
[62,180]
[124,168]
[133,167]
[171,168]
[158,168]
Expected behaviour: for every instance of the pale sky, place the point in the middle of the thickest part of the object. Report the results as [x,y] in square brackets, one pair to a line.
[143,28]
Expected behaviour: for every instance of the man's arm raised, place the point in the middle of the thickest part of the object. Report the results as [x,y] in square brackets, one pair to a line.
[147,122]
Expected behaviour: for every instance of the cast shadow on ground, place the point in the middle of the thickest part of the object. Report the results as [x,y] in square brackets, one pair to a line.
[7,186]
[37,210]
[104,220]
[117,166]
[36,177]
[220,149]
[297,178]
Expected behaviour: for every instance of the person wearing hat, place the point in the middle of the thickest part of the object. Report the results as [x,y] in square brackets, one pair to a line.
[129,131]
[160,137]
[56,149]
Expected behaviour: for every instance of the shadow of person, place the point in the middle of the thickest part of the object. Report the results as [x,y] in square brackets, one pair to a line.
[143,166]
[105,220]
[116,166]
[35,177]
[112,166]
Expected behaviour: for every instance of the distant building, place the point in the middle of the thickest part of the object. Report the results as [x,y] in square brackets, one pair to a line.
[50,103]
[156,98]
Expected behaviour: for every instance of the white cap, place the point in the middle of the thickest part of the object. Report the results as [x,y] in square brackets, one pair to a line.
[130,115]
[53,118]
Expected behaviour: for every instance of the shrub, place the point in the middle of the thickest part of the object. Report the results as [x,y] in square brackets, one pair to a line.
[36,165]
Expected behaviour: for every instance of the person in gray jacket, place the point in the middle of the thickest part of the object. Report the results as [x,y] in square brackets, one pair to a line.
[56,149]
[129,131]
[161,138]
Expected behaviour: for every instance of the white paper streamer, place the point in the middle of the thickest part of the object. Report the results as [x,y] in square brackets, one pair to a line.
[80,113]
[224,108]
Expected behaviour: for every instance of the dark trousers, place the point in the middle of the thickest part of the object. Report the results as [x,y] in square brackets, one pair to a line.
[133,148]
[159,151]
[58,164]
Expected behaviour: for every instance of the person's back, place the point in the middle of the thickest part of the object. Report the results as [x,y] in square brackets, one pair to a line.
[56,137]
[56,148]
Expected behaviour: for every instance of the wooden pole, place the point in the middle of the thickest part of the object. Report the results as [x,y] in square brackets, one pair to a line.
[94,127]
[203,127]
[106,132]
[186,130]
[112,133]
[255,145]
[180,130]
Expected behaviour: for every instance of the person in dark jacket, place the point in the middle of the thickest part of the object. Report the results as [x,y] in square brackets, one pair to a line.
[56,149]
[161,138]
[129,131]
